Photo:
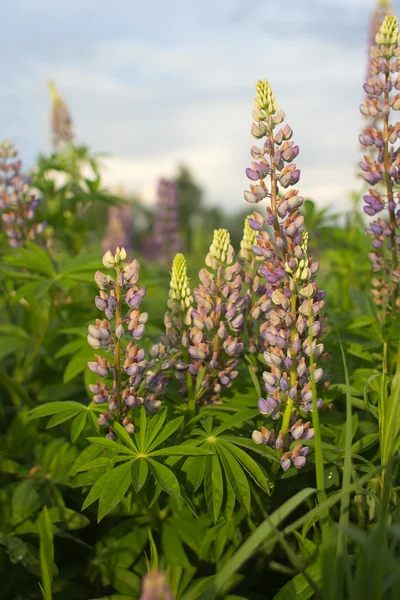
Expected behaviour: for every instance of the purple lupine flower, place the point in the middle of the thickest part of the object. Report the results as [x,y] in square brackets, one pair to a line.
[166,224]
[290,303]
[128,366]
[217,320]
[382,166]
[17,204]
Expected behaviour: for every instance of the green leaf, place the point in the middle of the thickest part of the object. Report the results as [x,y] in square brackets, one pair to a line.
[11,345]
[78,425]
[168,430]
[118,484]
[365,442]
[236,419]
[25,500]
[299,587]
[173,550]
[213,487]
[95,464]
[142,425]
[249,464]
[199,380]
[46,552]
[61,417]
[236,477]
[110,445]
[70,348]
[250,545]
[96,490]
[87,455]
[77,364]
[51,408]
[182,450]
[139,472]
[195,469]
[71,518]
[156,423]
[124,435]
[262,450]
[165,478]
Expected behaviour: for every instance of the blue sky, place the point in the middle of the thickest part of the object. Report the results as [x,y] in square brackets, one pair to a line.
[168,81]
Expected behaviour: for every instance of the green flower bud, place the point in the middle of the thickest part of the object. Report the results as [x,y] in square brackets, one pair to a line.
[389,32]
[221,252]
[248,241]
[265,99]
[179,285]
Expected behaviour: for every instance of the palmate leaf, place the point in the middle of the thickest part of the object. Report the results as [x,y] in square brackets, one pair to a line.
[139,472]
[166,478]
[213,487]
[111,445]
[118,484]
[182,450]
[52,408]
[249,465]
[167,431]
[155,425]
[236,475]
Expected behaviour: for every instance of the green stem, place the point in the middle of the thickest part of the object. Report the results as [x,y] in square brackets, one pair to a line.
[319,455]
[117,353]
[389,190]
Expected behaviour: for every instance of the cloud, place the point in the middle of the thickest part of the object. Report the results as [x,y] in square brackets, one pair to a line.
[157,84]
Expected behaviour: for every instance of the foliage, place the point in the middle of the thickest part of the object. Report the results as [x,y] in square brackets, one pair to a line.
[183,442]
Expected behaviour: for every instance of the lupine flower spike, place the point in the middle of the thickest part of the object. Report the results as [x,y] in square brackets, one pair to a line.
[127,364]
[217,319]
[61,120]
[172,349]
[381,170]
[17,204]
[292,303]
[166,226]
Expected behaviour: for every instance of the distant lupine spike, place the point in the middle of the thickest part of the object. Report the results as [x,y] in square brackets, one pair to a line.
[61,120]
[120,298]
[120,228]
[291,303]
[381,169]
[155,587]
[217,320]
[166,221]
[17,204]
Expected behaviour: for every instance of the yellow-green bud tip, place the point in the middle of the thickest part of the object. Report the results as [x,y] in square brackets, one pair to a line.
[248,241]
[389,32]
[265,99]
[179,286]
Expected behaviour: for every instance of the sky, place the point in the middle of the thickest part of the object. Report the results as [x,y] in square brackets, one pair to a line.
[155,84]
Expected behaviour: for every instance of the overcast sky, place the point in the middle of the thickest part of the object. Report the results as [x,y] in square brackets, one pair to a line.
[167,81]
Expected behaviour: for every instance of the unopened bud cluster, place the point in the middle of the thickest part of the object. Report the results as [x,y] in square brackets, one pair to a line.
[290,305]
[381,169]
[17,204]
